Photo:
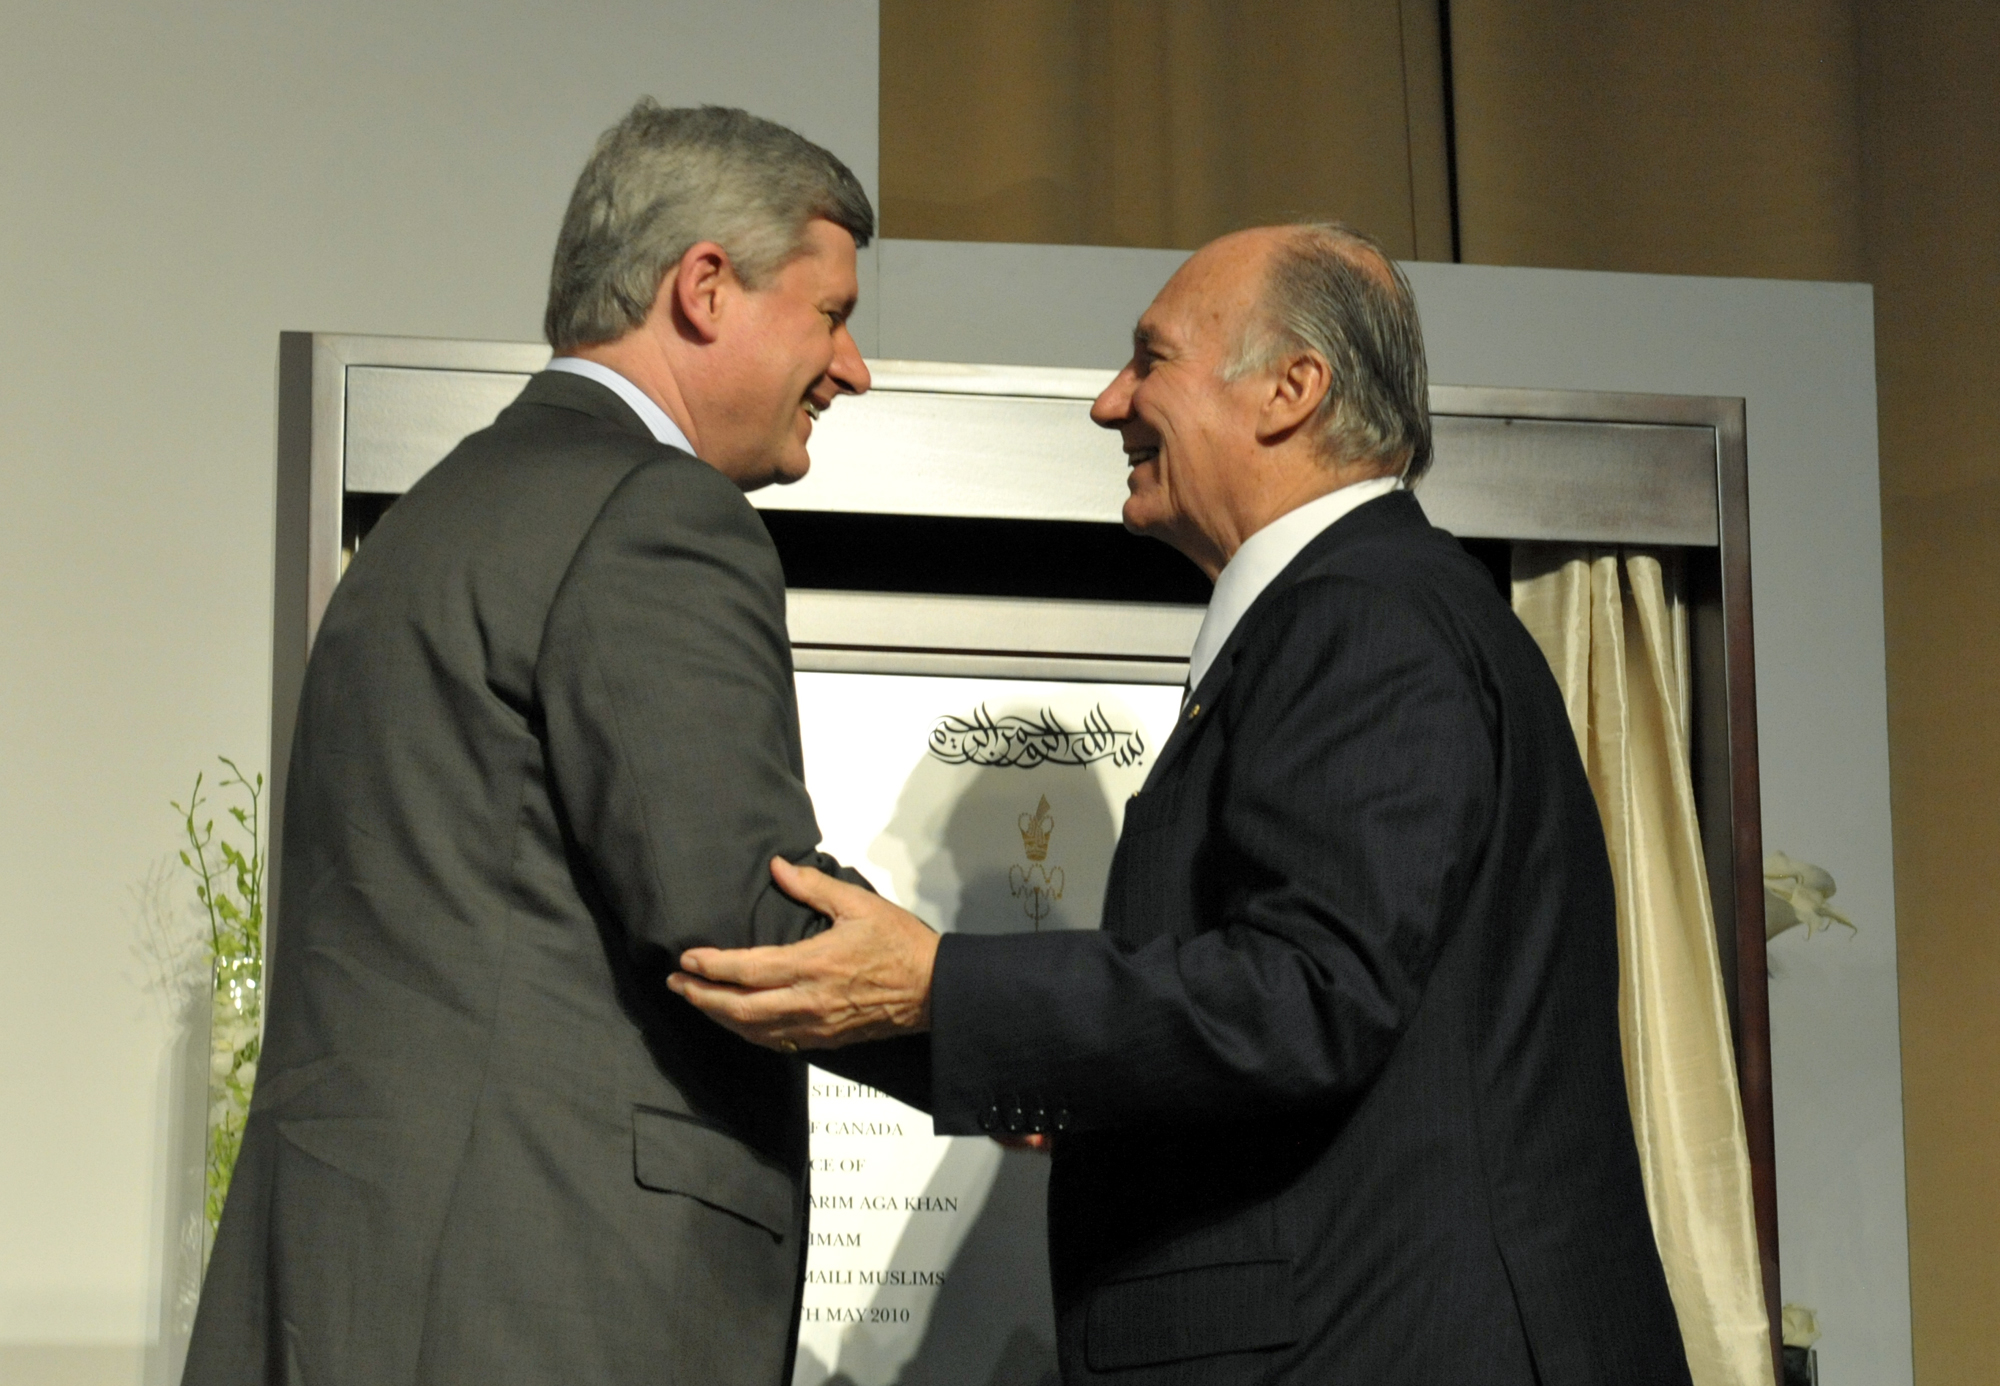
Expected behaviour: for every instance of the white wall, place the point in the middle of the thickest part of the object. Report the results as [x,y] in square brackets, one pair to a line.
[178,184]
[1802,355]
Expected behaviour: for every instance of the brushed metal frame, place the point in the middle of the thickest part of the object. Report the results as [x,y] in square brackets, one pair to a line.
[989,637]
[1008,442]
[916,634]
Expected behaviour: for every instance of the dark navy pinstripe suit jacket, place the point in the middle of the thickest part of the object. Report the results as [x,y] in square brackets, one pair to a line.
[1338,1086]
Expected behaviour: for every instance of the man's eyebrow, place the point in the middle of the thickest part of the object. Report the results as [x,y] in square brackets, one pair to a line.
[1145,339]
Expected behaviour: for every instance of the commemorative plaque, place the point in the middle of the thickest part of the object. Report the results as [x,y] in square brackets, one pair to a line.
[985,805]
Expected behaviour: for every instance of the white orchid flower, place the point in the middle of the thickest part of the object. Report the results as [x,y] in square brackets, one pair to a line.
[1796,892]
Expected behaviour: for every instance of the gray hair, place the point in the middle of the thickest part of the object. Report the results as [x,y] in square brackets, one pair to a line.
[662,180]
[1332,290]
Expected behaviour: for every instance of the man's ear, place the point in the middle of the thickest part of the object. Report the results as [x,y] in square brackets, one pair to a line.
[1296,393]
[698,290]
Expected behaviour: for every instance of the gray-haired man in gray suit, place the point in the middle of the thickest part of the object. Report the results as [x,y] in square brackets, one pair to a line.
[547,742]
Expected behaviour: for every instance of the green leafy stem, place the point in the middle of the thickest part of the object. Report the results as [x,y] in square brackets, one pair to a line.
[229,883]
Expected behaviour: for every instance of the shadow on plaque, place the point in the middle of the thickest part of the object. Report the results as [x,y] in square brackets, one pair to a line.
[1004,850]
[992,1322]
[988,850]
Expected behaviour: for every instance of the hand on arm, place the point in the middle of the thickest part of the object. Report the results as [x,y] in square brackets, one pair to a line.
[866,978]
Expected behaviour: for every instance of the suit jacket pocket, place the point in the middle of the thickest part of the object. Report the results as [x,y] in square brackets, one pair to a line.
[280,1090]
[362,1148]
[679,1155]
[1185,1314]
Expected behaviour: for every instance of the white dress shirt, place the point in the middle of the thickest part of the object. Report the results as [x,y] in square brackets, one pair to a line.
[656,419]
[1263,556]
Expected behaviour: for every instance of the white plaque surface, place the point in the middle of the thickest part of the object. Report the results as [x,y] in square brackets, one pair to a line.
[986,806]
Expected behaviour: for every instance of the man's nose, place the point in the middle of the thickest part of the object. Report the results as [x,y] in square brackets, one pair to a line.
[848,370]
[1114,406]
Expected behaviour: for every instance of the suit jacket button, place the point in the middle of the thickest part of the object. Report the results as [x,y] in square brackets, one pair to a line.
[1015,1118]
[1060,1121]
[989,1119]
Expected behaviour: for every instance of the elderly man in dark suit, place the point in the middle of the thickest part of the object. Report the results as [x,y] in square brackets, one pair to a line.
[548,741]
[1335,1095]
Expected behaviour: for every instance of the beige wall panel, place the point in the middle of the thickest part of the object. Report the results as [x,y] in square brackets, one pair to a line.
[1700,137]
[1932,88]
[1430,155]
[1933,220]
[981,111]
[1322,124]
[1942,585]
[1143,123]
[1156,138]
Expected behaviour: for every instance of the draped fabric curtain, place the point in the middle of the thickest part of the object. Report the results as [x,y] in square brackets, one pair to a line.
[1614,627]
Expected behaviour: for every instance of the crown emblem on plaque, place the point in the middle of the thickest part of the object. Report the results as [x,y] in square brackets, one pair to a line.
[1035,830]
[1037,887]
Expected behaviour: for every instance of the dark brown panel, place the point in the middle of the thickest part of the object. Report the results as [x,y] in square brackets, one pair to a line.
[1753,1001]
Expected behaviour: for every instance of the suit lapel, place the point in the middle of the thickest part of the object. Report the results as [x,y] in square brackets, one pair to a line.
[1193,710]
[1397,511]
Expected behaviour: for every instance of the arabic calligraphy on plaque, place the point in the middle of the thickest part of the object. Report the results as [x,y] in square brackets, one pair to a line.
[1026,741]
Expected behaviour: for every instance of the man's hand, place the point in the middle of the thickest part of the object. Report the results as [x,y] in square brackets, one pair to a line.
[868,977]
[1039,1143]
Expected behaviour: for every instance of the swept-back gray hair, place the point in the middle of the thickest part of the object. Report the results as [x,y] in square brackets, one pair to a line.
[661,180]
[1332,290]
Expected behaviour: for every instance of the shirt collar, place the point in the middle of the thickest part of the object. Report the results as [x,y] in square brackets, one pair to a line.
[1263,556]
[658,422]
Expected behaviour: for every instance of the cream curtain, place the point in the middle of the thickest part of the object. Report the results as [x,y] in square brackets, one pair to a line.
[1614,628]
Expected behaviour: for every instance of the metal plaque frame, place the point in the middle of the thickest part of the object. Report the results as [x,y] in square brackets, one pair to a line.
[361,417]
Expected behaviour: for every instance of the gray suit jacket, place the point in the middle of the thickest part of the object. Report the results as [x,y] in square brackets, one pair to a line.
[548,739]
